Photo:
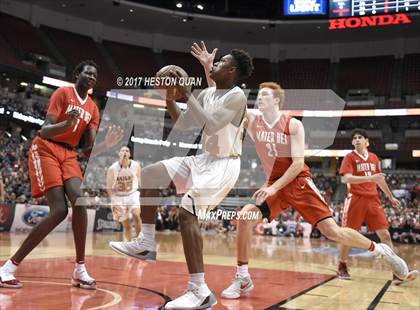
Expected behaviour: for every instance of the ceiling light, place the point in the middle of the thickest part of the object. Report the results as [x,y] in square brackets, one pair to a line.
[131,10]
[179,5]
[200,7]
[184,19]
[122,20]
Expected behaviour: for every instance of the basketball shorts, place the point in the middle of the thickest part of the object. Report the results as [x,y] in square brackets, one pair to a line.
[360,209]
[122,206]
[302,195]
[204,179]
[50,165]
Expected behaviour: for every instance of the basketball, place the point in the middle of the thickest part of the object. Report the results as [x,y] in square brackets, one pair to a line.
[166,81]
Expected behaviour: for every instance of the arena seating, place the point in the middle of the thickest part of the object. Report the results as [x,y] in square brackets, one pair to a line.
[411,74]
[133,61]
[374,73]
[310,74]
[262,72]
[12,28]
[77,48]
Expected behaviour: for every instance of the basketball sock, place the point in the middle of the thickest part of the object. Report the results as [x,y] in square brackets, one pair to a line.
[242,270]
[197,278]
[148,231]
[80,266]
[10,266]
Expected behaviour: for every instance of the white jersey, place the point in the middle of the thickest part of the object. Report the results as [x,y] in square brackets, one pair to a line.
[227,142]
[125,179]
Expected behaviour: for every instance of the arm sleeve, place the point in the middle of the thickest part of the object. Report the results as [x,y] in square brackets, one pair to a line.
[56,104]
[346,166]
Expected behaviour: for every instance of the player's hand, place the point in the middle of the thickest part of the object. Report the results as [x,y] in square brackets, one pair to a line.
[113,136]
[72,117]
[378,177]
[203,56]
[263,193]
[169,100]
[184,90]
[395,202]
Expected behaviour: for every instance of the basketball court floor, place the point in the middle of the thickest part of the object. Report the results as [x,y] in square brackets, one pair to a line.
[288,273]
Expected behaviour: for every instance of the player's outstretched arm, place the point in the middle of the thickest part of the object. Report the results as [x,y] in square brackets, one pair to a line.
[297,143]
[205,58]
[113,136]
[173,109]
[51,128]
[234,104]
[183,119]
[387,191]
[249,119]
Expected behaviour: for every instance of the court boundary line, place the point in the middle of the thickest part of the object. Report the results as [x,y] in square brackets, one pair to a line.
[166,298]
[115,301]
[284,301]
[378,297]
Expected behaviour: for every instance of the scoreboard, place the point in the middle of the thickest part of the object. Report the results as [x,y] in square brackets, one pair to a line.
[305,7]
[347,8]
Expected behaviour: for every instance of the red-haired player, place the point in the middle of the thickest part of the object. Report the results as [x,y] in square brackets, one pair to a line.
[55,172]
[279,142]
[362,173]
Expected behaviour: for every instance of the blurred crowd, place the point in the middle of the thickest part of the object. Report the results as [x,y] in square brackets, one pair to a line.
[25,99]
[404,222]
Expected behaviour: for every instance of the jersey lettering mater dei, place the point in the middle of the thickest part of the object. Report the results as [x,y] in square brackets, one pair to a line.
[272,142]
[359,165]
[66,99]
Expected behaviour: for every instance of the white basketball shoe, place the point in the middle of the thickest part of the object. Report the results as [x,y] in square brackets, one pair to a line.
[239,286]
[195,297]
[135,248]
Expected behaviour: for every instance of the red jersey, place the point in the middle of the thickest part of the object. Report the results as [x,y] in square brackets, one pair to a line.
[272,143]
[358,165]
[65,99]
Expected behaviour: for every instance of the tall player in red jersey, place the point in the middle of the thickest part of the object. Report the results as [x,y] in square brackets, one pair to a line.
[55,172]
[361,171]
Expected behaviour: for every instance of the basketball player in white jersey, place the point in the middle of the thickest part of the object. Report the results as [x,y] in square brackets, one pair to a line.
[206,178]
[122,183]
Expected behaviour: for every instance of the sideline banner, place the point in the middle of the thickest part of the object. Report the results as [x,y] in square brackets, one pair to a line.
[104,221]
[27,216]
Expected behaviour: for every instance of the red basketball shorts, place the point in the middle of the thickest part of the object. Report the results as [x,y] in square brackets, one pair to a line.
[302,195]
[363,209]
[50,165]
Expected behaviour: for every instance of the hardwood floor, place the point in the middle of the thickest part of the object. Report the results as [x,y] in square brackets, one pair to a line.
[288,273]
